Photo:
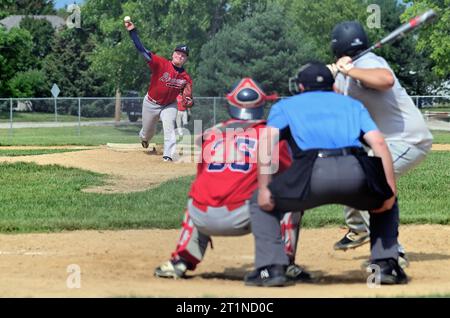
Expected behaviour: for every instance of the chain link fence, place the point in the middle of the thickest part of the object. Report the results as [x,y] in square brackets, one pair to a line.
[18,113]
[434,107]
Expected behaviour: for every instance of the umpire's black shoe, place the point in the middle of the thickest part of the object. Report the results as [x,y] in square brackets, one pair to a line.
[390,272]
[298,274]
[270,276]
[144,144]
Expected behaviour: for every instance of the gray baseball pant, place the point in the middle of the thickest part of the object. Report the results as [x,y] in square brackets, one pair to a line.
[326,187]
[151,113]
[405,157]
[219,221]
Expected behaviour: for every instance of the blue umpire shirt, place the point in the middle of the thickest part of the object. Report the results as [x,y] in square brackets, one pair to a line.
[319,119]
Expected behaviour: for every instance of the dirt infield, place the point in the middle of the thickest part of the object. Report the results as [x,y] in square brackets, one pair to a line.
[441,147]
[121,263]
[116,264]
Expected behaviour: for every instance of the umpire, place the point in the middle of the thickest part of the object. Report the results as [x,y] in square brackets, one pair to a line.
[324,130]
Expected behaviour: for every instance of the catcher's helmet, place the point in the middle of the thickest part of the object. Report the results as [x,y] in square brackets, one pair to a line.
[246,100]
[348,38]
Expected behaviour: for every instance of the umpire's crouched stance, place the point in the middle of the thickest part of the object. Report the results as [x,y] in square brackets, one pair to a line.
[324,130]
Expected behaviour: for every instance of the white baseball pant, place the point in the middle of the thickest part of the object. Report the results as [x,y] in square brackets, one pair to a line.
[182,120]
[151,113]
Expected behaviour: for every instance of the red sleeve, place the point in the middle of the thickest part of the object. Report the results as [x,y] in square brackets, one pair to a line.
[156,62]
[188,79]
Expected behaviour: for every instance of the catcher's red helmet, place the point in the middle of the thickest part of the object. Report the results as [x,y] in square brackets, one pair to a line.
[247,99]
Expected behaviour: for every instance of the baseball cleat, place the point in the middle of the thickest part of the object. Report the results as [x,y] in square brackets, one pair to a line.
[167,159]
[171,270]
[270,276]
[352,240]
[298,274]
[390,272]
[144,144]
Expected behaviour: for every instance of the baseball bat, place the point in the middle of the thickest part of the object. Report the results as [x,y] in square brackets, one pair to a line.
[401,31]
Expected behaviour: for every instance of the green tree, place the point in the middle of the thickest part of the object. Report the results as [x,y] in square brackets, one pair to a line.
[260,46]
[31,83]
[161,25]
[15,50]
[412,68]
[42,32]
[316,19]
[114,57]
[434,38]
[27,7]
[68,65]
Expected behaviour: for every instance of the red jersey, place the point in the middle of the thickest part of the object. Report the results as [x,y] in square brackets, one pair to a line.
[180,105]
[166,82]
[230,177]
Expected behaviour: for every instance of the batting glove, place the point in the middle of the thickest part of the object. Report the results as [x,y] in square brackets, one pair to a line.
[344,65]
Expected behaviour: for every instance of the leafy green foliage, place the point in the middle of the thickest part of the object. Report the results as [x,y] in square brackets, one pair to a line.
[258,47]
[68,66]
[15,49]
[435,37]
[411,67]
[100,58]
[316,19]
[31,7]
[31,83]
[42,34]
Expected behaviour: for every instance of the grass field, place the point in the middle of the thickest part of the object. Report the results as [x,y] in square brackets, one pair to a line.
[89,136]
[32,152]
[48,117]
[441,137]
[93,136]
[49,198]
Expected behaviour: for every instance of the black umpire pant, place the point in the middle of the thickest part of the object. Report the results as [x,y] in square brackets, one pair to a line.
[334,180]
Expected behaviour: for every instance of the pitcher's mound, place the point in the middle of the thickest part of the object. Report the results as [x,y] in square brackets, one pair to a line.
[132,147]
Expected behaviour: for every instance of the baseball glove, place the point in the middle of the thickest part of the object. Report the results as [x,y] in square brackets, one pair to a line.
[187,100]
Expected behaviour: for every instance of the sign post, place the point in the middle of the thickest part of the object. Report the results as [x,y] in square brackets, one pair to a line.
[55,92]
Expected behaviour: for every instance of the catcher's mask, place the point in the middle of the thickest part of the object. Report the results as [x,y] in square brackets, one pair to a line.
[247,99]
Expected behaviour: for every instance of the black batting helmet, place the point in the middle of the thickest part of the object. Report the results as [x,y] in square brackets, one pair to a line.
[348,38]
[247,99]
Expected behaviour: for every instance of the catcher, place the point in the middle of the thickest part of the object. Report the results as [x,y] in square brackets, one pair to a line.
[226,179]
[168,80]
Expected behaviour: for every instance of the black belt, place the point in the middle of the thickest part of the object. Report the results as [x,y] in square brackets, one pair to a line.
[324,153]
